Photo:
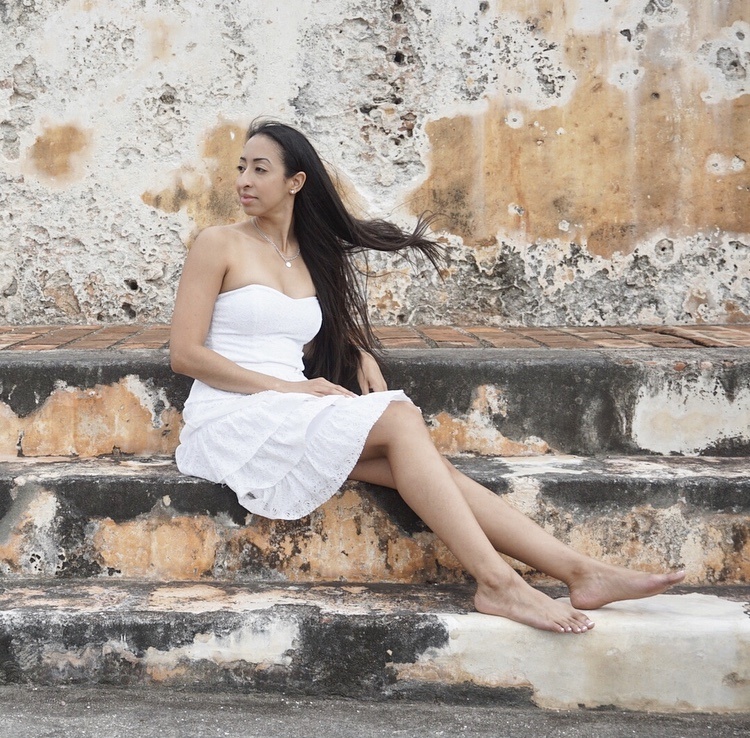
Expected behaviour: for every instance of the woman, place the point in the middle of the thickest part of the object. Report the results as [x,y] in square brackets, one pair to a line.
[253,297]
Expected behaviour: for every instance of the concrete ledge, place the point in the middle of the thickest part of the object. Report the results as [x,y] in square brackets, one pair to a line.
[140,518]
[506,402]
[582,401]
[672,653]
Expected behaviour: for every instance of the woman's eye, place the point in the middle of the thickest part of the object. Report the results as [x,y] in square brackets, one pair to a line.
[240,169]
[259,169]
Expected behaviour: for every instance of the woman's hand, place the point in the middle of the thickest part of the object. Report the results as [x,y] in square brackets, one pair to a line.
[319,387]
[369,376]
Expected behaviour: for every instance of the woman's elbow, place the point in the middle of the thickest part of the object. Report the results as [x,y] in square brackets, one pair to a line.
[179,360]
[175,361]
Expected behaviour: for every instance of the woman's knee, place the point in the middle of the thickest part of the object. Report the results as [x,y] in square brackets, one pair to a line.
[401,413]
[398,419]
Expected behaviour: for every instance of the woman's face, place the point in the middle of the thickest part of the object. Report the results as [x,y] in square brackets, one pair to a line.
[261,183]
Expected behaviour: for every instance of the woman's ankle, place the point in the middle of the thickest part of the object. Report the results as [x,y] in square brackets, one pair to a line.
[496,578]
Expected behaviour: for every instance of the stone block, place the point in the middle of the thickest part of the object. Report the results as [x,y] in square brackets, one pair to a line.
[672,653]
[141,519]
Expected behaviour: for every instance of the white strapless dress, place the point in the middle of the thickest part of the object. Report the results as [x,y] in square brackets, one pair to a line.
[283,454]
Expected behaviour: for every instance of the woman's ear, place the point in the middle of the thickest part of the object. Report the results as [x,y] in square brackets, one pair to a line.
[296,182]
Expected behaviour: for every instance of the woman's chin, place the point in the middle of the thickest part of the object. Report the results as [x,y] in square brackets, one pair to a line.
[249,206]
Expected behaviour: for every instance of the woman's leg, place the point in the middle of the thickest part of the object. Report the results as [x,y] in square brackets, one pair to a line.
[428,486]
[592,583]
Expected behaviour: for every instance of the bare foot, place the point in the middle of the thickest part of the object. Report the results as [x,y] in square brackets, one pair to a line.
[518,601]
[607,583]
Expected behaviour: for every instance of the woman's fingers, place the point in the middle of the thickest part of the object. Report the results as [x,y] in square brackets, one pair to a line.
[336,390]
[371,379]
[379,384]
[319,387]
[364,385]
[369,375]
[324,387]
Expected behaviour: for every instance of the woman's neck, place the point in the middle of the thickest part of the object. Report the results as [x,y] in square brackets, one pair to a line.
[280,229]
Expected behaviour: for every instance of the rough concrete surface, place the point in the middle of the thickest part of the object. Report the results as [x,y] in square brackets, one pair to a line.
[78,712]
[671,653]
[140,518]
[481,401]
[589,159]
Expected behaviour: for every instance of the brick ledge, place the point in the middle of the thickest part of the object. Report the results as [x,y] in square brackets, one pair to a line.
[156,336]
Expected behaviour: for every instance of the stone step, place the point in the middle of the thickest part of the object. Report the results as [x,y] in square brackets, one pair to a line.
[683,652]
[510,402]
[139,518]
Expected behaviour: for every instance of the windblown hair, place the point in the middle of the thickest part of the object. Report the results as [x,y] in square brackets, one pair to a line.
[328,237]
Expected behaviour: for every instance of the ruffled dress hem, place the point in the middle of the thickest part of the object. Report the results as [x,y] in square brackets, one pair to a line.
[283,454]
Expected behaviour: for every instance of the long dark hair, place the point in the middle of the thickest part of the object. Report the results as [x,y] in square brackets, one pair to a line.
[328,235]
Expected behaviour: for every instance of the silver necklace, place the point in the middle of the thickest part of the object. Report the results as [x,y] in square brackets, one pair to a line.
[286,261]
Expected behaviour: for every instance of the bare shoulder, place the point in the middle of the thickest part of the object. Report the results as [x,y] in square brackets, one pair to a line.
[215,237]
[216,244]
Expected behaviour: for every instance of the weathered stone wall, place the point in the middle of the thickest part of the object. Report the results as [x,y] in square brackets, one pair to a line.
[589,156]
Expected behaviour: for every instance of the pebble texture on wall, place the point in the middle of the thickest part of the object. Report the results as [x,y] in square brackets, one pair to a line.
[589,158]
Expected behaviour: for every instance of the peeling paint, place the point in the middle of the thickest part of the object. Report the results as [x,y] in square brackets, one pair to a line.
[349,538]
[724,60]
[692,404]
[128,417]
[476,432]
[209,196]
[498,653]
[692,415]
[262,645]
[159,547]
[376,643]
[28,544]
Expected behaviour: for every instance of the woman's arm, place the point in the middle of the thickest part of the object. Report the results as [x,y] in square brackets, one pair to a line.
[202,276]
[369,376]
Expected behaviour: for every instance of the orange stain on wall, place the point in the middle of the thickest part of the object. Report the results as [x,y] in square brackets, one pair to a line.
[210,199]
[58,151]
[608,169]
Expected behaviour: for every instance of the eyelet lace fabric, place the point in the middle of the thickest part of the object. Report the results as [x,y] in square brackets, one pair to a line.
[283,454]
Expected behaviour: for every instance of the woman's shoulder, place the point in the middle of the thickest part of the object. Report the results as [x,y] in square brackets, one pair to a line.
[221,239]
[220,234]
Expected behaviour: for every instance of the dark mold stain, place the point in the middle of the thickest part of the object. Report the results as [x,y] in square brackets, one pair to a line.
[349,656]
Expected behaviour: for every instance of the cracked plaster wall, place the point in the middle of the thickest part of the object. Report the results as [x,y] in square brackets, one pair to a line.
[590,158]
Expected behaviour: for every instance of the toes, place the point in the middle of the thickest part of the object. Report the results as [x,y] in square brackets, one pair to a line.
[576,629]
[583,620]
[577,623]
[582,623]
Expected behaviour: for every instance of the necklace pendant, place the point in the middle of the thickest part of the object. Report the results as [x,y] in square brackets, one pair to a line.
[289,264]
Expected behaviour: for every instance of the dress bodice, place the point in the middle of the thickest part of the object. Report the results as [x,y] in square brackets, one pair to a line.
[261,329]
